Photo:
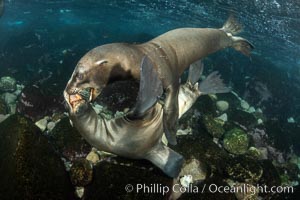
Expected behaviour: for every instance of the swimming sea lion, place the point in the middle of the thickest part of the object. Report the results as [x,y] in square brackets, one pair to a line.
[1,7]
[171,53]
[141,138]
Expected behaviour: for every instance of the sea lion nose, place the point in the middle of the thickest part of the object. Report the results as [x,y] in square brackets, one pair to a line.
[70,89]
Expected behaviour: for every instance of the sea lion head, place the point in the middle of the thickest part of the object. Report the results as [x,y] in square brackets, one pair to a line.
[99,67]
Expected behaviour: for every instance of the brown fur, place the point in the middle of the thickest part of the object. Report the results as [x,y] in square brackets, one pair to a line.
[170,53]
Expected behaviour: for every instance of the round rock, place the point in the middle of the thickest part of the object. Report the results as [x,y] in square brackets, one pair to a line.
[236,141]
[222,106]
[245,105]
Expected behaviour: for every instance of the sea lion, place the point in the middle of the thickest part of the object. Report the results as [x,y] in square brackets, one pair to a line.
[141,138]
[171,53]
[1,7]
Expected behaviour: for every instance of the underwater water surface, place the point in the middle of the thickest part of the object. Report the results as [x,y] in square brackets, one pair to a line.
[249,136]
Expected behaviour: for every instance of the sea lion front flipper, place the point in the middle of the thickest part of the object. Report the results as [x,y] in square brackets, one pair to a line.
[171,113]
[169,161]
[150,88]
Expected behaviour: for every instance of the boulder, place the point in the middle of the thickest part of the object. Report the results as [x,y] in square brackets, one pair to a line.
[236,141]
[30,168]
[200,146]
[119,180]
[243,169]
[198,170]
[243,118]
[213,126]
[270,178]
[68,141]
[36,102]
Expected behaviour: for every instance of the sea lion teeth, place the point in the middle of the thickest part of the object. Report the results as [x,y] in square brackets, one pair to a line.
[91,94]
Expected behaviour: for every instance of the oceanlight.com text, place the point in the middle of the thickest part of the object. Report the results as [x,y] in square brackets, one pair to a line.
[211,188]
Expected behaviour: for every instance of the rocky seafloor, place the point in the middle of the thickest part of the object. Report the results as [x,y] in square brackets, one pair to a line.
[225,142]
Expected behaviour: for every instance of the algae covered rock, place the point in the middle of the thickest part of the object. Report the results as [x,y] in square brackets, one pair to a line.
[250,193]
[244,118]
[255,153]
[208,189]
[206,104]
[119,95]
[244,169]
[213,126]
[198,170]
[30,169]
[270,178]
[37,102]
[236,141]
[68,141]
[81,172]
[200,146]
[7,84]
[121,179]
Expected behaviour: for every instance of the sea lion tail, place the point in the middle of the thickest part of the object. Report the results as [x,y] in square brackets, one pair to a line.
[233,27]
[213,84]
[169,161]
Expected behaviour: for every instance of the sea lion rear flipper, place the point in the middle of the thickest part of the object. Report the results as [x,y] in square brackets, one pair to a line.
[233,27]
[150,88]
[242,45]
[195,72]
[213,84]
[169,161]
[171,113]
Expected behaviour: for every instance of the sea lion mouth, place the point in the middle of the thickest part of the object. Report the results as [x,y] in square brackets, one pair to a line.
[85,95]
[75,99]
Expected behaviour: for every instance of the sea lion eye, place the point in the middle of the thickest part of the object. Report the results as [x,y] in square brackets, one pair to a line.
[79,76]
